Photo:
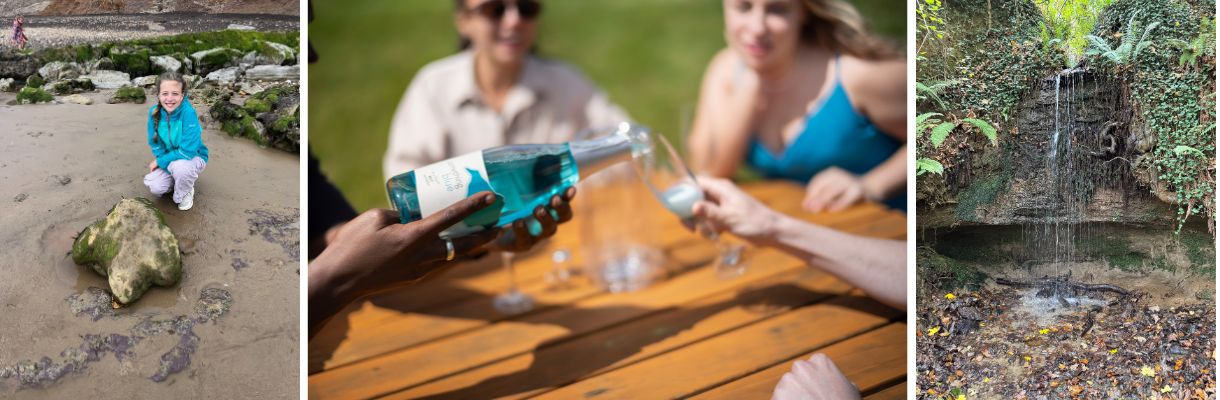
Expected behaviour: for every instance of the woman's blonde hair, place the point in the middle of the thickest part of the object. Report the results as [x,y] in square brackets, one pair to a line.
[836,25]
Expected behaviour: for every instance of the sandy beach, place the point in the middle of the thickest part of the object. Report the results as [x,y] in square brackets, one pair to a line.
[62,166]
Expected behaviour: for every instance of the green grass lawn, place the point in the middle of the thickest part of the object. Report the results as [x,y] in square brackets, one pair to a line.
[649,55]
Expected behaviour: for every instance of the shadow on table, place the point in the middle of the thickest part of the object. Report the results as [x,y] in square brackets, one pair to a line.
[566,360]
[410,300]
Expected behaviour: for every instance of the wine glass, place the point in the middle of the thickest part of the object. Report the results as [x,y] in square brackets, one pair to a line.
[512,301]
[671,181]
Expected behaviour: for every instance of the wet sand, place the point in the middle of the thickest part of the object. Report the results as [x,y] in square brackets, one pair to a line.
[62,167]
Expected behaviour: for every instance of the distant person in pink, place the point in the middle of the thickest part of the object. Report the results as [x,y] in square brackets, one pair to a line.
[19,38]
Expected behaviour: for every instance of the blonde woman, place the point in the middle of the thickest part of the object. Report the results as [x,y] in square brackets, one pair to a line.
[804,92]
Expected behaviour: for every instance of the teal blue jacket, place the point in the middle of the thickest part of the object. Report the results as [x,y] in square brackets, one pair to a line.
[178,136]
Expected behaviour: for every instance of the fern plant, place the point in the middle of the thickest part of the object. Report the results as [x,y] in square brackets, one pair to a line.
[1204,44]
[939,131]
[931,91]
[1129,48]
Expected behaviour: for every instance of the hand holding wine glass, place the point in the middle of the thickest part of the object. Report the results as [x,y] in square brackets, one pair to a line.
[726,208]
[671,181]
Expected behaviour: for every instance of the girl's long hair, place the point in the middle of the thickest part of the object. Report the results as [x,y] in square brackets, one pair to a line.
[167,76]
[837,26]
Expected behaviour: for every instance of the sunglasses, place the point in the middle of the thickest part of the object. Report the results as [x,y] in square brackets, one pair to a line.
[495,9]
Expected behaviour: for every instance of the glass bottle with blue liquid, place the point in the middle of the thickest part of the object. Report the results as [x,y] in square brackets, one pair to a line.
[522,177]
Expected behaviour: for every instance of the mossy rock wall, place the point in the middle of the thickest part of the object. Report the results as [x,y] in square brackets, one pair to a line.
[132,56]
[1006,75]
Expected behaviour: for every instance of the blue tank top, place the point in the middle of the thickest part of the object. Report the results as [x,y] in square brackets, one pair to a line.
[834,135]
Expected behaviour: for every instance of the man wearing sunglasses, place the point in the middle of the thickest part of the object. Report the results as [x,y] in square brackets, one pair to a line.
[494,92]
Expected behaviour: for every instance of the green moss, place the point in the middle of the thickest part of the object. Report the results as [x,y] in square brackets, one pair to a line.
[84,53]
[33,95]
[1129,262]
[981,192]
[218,58]
[256,106]
[132,60]
[247,124]
[35,81]
[286,123]
[243,126]
[99,252]
[164,256]
[272,94]
[130,94]
[1116,252]
[232,128]
[265,49]
[72,86]
[1200,250]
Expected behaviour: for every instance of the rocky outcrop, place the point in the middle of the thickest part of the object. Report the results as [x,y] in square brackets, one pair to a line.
[211,60]
[104,79]
[16,65]
[133,247]
[270,118]
[273,73]
[144,81]
[1073,158]
[73,86]
[162,64]
[224,76]
[270,53]
[59,70]
[76,99]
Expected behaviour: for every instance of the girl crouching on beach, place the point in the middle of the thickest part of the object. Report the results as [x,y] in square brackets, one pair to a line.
[175,135]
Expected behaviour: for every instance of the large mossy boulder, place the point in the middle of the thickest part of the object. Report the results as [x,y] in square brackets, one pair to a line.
[59,70]
[15,64]
[33,95]
[104,79]
[163,64]
[128,94]
[72,86]
[134,60]
[133,247]
[210,60]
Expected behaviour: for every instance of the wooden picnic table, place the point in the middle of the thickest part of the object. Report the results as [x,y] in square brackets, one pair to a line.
[690,335]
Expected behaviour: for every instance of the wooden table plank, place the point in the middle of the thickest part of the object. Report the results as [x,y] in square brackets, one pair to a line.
[896,392]
[870,361]
[726,357]
[388,326]
[556,365]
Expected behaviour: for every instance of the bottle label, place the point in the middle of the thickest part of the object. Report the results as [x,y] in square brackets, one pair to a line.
[444,183]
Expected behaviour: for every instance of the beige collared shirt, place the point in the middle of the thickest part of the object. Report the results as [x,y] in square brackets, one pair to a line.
[443,115]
